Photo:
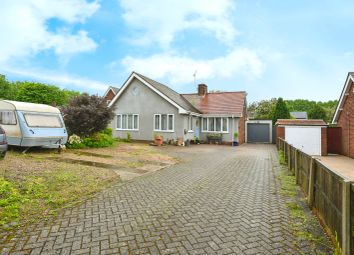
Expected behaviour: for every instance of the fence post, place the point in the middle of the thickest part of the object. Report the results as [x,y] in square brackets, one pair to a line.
[346,228]
[296,173]
[311,183]
[289,157]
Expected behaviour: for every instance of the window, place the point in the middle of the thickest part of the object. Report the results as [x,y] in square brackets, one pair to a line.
[190,123]
[128,122]
[7,118]
[43,120]
[215,124]
[163,122]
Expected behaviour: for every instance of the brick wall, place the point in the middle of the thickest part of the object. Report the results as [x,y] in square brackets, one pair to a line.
[346,122]
[241,127]
[110,95]
[323,141]
[280,132]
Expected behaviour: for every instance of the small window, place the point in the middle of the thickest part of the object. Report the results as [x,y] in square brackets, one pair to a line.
[157,122]
[124,121]
[119,121]
[130,121]
[205,124]
[190,123]
[8,118]
[163,122]
[211,122]
[43,120]
[127,121]
[218,124]
[170,121]
[224,124]
[136,122]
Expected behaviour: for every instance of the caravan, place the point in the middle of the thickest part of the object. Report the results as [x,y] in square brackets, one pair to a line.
[29,125]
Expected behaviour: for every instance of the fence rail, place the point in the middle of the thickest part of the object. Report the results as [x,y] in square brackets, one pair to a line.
[328,193]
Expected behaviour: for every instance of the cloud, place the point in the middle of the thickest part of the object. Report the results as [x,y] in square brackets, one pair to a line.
[57,78]
[179,69]
[24,28]
[159,21]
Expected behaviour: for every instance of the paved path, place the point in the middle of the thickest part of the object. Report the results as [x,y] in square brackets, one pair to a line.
[220,200]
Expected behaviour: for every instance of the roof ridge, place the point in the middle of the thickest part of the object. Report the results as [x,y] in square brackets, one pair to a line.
[170,89]
[222,92]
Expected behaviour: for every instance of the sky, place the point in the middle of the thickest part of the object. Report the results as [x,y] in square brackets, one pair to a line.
[269,48]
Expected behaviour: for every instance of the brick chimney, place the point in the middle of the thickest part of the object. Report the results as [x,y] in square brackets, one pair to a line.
[202,89]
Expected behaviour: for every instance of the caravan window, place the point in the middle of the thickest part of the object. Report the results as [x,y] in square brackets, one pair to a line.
[43,120]
[7,118]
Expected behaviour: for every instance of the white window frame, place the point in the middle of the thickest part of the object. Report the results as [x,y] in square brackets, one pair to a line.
[121,122]
[190,124]
[221,123]
[160,119]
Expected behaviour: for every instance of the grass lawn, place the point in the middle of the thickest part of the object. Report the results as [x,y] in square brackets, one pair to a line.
[36,185]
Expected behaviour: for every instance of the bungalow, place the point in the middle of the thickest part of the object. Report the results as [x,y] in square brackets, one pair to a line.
[344,116]
[144,107]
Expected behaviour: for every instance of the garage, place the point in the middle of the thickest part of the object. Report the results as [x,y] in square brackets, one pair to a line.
[259,131]
[309,136]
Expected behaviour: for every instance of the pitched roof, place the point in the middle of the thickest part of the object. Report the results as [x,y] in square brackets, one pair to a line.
[170,93]
[212,103]
[299,115]
[343,97]
[219,102]
[114,89]
[298,122]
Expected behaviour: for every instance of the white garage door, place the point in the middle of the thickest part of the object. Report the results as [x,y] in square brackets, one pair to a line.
[307,139]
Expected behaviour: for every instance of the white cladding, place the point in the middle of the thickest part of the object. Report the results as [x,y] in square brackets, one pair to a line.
[305,138]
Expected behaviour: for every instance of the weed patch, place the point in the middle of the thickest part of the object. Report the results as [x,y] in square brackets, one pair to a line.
[35,196]
[281,155]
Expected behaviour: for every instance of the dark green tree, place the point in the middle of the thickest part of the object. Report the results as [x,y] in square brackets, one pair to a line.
[317,112]
[86,115]
[281,111]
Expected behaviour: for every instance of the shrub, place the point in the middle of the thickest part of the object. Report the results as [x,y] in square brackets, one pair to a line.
[87,115]
[214,135]
[97,140]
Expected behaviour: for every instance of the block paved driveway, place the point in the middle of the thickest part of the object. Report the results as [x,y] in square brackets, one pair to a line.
[218,200]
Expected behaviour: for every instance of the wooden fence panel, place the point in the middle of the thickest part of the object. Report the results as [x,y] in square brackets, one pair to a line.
[328,198]
[327,191]
[304,162]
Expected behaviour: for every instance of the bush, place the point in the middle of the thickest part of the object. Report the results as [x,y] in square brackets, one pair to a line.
[87,115]
[97,140]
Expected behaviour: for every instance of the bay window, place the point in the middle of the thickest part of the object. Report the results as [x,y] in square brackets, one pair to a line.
[127,122]
[215,124]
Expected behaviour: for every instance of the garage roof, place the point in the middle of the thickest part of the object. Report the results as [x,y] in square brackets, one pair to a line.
[296,122]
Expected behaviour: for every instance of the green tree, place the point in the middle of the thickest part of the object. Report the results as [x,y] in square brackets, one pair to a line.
[43,94]
[281,111]
[86,115]
[263,109]
[317,112]
[7,89]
